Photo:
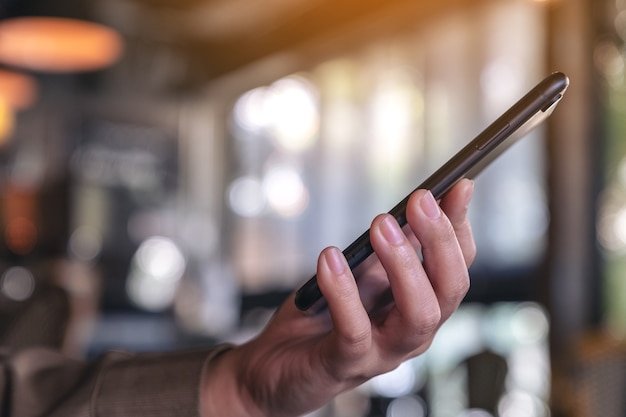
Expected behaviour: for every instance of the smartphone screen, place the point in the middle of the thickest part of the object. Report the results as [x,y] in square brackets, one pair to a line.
[532,109]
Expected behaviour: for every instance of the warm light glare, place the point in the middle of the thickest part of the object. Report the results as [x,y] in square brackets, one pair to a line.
[7,121]
[58,44]
[17,90]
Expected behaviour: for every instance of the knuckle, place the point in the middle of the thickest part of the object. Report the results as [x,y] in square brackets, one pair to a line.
[462,287]
[427,323]
[358,341]
[452,294]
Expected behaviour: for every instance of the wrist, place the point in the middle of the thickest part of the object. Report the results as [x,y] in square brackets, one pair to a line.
[221,390]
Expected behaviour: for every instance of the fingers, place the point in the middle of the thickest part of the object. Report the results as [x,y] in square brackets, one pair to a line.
[445,262]
[425,292]
[350,320]
[417,309]
[455,204]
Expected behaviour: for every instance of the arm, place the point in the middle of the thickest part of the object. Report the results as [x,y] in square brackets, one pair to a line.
[302,360]
[43,382]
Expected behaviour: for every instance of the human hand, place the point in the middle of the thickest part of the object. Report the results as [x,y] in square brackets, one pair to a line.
[300,361]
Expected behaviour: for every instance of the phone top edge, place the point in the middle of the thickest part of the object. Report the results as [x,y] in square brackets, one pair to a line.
[541,98]
[545,94]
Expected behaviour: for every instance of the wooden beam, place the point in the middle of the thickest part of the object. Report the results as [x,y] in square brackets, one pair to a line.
[346,20]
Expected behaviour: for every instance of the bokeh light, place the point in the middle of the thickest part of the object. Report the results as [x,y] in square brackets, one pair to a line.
[399,382]
[17,283]
[521,404]
[250,111]
[293,110]
[85,243]
[529,324]
[157,267]
[407,406]
[161,258]
[286,111]
[246,196]
[285,190]
[58,44]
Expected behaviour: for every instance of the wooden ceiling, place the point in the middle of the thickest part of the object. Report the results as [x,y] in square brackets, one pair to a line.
[216,37]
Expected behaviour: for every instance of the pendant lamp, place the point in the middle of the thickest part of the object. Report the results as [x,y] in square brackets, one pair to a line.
[57,45]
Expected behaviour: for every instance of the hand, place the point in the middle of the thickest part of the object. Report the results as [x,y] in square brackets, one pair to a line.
[300,361]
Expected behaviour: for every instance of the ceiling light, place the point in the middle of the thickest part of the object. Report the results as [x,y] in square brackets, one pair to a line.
[50,44]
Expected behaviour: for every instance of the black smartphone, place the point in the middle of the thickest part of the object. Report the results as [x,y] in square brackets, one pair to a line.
[515,123]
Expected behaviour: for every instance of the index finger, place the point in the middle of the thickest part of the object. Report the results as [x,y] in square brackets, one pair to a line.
[351,322]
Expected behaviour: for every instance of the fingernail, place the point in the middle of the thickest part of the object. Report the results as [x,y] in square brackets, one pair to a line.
[430,206]
[335,261]
[391,230]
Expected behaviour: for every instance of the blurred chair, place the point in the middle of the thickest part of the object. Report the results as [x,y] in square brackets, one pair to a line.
[599,377]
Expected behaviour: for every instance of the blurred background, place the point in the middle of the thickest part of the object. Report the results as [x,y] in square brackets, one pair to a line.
[170,170]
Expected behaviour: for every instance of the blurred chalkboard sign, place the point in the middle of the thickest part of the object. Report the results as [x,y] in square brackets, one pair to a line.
[122,171]
[139,158]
